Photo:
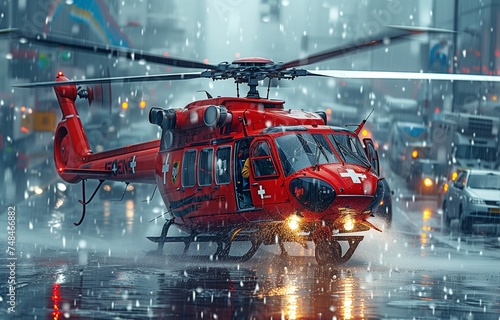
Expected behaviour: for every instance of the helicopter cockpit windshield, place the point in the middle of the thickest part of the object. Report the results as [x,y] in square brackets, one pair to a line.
[301,150]
[350,149]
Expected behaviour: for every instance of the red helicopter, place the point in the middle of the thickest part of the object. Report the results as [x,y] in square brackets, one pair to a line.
[307,181]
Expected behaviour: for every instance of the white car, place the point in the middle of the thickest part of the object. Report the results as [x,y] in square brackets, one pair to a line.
[474,197]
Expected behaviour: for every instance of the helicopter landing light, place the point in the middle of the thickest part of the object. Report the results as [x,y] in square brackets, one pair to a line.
[348,224]
[293,222]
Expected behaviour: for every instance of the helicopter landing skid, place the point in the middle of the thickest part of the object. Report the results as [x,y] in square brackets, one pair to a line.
[223,242]
[329,251]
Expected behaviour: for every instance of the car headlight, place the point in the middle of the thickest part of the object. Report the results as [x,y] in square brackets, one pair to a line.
[476,201]
[428,182]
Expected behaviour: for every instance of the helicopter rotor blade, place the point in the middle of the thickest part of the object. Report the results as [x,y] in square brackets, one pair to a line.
[348,74]
[398,33]
[126,79]
[113,51]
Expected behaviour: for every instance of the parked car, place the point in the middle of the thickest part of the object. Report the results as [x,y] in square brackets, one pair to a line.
[474,197]
[427,176]
[116,190]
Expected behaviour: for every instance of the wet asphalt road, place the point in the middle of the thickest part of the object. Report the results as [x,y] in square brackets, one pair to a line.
[102,270]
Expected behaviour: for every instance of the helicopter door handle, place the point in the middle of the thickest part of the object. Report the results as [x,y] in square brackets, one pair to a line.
[255,184]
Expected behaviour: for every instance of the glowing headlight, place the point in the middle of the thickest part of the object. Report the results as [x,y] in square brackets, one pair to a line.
[428,182]
[445,187]
[61,187]
[293,222]
[349,225]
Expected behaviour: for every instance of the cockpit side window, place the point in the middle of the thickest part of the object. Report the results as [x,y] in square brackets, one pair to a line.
[262,162]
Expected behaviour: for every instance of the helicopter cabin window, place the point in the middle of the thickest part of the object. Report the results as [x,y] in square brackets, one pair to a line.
[301,150]
[205,161]
[188,168]
[262,162]
[223,174]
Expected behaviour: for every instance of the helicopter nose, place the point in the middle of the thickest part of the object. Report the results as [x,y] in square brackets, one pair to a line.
[314,194]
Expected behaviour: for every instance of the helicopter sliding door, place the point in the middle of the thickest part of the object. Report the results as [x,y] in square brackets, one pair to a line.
[242,183]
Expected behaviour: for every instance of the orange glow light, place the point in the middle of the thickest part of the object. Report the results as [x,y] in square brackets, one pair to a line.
[124,105]
[428,182]
[142,104]
[56,299]
[23,109]
[454,176]
[445,188]
[328,111]
[426,214]
[414,154]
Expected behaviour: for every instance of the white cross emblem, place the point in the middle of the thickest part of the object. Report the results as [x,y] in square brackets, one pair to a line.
[133,164]
[355,177]
[165,168]
[114,168]
[261,192]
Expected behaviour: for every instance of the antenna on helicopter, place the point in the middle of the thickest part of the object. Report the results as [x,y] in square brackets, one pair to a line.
[209,96]
[362,124]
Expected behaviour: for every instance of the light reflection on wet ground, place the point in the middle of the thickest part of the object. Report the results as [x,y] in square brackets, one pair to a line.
[101,270]
[57,285]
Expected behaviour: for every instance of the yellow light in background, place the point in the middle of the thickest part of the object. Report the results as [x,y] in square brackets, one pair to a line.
[106,212]
[445,187]
[328,111]
[423,238]
[364,133]
[454,176]
[428,182]
[426,214]
[494,98]
[124,105]
[142,104]
[129,214]
[414,154]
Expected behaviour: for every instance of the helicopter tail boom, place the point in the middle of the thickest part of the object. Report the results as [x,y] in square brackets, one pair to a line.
[74,159]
